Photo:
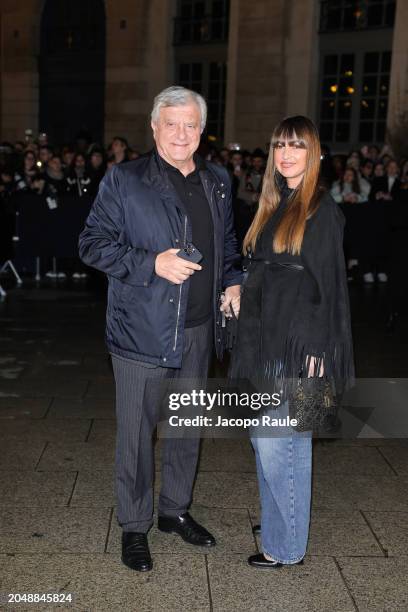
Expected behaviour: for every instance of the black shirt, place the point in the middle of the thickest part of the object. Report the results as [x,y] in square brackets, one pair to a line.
[191,193]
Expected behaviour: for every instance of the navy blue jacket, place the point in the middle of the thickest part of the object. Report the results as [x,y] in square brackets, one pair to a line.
[136,215]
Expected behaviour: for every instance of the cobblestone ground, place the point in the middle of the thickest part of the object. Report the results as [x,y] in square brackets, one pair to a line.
[58,532]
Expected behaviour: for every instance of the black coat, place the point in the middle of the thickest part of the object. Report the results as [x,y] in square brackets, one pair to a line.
[380,183]
[295,307]
[136,215]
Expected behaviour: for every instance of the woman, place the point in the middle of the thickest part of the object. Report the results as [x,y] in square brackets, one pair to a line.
[28,174]
[351,188]
[294,324]
[78,178]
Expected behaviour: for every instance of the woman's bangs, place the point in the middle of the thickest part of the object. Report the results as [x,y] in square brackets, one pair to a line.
[287,133]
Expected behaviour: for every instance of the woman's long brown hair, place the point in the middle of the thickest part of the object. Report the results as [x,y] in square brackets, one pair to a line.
[303,202]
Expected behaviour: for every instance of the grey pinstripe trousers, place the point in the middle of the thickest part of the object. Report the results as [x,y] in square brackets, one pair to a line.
[138,394]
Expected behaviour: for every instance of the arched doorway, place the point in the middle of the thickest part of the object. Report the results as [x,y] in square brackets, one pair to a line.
[72,69]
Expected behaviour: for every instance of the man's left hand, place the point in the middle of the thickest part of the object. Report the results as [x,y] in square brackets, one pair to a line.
[232,300]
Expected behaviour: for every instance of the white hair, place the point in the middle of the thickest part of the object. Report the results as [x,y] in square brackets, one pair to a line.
[179,96]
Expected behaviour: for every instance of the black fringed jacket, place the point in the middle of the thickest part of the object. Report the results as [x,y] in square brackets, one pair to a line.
[297,307]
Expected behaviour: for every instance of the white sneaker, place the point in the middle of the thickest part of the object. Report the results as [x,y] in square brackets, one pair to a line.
[352,263]
[76,276]
[84,275]
[61,275]
[51,274]
[368,277]
[382,277]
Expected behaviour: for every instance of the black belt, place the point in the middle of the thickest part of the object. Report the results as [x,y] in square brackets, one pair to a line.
[283,264]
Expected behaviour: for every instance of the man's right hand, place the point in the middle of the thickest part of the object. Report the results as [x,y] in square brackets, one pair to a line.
[174,269]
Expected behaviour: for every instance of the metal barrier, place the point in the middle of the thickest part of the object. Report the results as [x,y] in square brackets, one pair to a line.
[40,231]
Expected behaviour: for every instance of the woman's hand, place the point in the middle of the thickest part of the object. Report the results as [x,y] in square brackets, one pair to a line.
[231,300]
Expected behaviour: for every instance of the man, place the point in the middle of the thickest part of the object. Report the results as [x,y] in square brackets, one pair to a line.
[119,148]
[163,311]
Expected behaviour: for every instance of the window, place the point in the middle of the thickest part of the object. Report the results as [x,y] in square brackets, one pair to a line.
[191,76]
[346,15]
[354,96]
[201,21]
[216,99]
[337,97]
[210,80]
[374,96]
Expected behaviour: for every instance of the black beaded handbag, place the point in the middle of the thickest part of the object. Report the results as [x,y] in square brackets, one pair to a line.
[313,404]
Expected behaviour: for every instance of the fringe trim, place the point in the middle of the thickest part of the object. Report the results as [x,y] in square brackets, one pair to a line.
[336,359]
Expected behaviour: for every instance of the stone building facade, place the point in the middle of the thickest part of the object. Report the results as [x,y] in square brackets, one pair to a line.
[255,61]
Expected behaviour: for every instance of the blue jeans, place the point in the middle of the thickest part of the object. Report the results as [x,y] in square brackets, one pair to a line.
[284,468]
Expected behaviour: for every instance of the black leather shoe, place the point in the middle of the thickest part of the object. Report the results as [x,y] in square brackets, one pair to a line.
[135,551]
[261,562]
[256,530]
[186,527]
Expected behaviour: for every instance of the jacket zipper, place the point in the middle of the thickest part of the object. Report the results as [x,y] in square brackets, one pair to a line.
[180,286]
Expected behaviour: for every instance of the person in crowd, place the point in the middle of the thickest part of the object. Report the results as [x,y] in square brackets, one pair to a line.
[235,168]
[119,149]
[25,176]
[251,179]
[224,154]
[167,308]
[44,155]
[7,182]
[54,176]
[78,177]
[96,169]
[246,201]
[294,323]
[366,170]
[67,157]
[374,245]
[373,153]
[354,160]
[247,160]
[351,188]
[386,158]
[386,188]
[42,139]
[378,169]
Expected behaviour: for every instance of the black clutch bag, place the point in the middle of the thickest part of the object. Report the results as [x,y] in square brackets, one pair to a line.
[313,404]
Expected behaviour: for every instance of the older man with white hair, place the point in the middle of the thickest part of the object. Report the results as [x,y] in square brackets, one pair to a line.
[163,308]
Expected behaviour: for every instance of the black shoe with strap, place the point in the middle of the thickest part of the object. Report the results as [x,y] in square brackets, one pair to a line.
[261,562]
[135,551]
[186,527]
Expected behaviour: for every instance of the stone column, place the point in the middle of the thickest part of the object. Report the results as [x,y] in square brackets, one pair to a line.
[398,95]
[19,70]
[301,58]
[256,60]
[138,64]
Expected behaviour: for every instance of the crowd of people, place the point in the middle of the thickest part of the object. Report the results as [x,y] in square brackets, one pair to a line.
[368,176]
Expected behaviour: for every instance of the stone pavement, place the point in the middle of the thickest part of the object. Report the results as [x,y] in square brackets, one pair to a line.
[58,531]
